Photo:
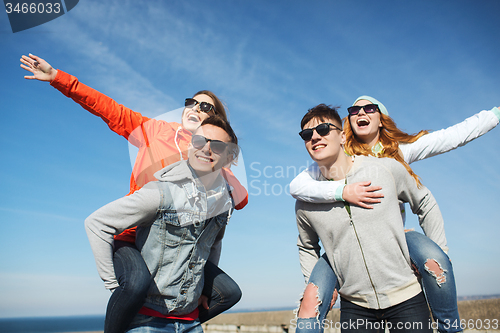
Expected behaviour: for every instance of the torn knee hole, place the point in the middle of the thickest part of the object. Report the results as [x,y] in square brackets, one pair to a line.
[309,305]
[435,269]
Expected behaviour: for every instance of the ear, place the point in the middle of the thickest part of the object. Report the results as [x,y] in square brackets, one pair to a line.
[229,159]
[342,138]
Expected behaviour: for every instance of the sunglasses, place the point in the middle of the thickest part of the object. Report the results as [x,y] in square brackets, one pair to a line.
[369,108]
[217,146]
[204,106]
[321,129]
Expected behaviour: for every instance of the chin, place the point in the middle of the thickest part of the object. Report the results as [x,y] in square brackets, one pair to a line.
[190,126]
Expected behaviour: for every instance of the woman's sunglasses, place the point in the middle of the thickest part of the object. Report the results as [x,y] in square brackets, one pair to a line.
[204,106]
[321,129]
[216,146]
[369,108]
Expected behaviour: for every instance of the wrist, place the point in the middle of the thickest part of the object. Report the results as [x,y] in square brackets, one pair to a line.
[339,193]
[52,74]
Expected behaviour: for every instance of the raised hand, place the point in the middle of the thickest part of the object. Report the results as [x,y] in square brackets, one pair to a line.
[362,194]
[40,68]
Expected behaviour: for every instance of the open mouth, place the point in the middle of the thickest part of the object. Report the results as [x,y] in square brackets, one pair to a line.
[362,122]
[193,118]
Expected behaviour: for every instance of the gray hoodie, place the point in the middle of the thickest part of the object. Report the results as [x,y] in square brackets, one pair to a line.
[367,248]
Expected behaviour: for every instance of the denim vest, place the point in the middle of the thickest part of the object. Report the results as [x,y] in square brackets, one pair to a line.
[177,245]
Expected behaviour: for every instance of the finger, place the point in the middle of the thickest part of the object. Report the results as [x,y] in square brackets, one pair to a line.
[30,77]
[26,62]
[374,195]
[34,57]
[363,205]
[373,188]
[205,304]
[26,68]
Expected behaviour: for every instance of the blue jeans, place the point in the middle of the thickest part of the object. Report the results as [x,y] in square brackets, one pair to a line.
[410,316]
[134,280]
[325,279]
[439,287]
[442,296]
[147,324]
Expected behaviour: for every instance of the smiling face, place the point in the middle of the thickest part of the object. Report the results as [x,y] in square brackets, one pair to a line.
[192,117]
[366,126]
[204,160]
[324,150]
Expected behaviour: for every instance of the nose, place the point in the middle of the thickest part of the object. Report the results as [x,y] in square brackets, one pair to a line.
[206,149]
[197,108]
[362,110]
[315,136]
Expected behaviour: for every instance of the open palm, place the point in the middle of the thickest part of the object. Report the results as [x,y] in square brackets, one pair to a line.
[40,68]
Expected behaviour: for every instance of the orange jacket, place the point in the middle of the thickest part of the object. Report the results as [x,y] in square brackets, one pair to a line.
[160,143]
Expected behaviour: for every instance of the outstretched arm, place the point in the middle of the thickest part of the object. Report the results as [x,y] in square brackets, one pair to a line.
[119,118]
[450,138]
[306,187]
[40,69]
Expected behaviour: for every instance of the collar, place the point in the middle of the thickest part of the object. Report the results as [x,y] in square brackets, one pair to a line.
[378,149]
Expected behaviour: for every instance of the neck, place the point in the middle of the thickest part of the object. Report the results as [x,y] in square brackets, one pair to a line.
[207,179]
[370,142]
[338,169]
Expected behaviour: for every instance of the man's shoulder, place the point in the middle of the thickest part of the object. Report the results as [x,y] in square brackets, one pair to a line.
[385,162]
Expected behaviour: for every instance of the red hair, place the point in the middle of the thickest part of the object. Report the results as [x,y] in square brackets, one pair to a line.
[390,136]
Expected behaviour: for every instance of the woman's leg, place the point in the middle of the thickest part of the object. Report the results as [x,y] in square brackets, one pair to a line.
[134,279]
[316,302]
[221,290]
[438,281]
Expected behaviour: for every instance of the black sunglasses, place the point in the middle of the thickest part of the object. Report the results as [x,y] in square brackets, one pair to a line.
[204,106]
[217,146]
[321,129]
[369,108]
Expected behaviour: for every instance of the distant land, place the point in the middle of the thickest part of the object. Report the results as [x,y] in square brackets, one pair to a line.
[472,298]
[337,305]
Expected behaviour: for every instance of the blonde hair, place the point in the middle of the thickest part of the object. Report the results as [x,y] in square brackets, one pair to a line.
[390,136]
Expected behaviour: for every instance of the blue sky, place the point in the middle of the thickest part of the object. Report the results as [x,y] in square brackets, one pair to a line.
[432,63]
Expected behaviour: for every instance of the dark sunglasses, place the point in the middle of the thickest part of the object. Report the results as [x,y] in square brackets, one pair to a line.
[216,146]
[369,108]
[321,129]
[204,106]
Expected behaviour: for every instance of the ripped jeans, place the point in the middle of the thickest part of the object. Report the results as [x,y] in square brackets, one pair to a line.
[437,280]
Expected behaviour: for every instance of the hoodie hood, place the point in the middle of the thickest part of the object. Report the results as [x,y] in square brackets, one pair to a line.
[175,172]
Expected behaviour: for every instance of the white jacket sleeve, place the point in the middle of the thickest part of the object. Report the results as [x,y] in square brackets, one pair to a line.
[306,187]
[444,140]
[139,208]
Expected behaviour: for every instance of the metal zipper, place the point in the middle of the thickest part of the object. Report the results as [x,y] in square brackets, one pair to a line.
[348,208]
